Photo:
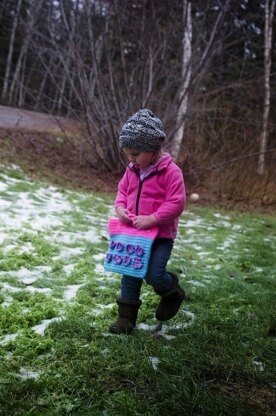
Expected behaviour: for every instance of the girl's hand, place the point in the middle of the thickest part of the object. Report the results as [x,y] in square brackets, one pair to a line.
[143,222]
[123,215]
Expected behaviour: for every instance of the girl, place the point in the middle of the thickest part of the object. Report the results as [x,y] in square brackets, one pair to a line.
[151,192]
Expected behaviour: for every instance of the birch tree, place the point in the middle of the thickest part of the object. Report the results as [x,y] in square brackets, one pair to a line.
[269,13]
[191,77]
[185,80]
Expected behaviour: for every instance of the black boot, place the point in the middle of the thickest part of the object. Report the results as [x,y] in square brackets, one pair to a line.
[128,311]
[170,302]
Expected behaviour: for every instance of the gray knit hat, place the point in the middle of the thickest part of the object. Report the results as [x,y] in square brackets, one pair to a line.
[143,131]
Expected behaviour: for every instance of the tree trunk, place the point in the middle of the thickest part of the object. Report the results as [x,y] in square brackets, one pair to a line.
[33,14]
[10,54]
[269,12]
[185,80]
[22,85]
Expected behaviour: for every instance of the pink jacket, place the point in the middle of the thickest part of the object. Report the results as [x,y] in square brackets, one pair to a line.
[162,194]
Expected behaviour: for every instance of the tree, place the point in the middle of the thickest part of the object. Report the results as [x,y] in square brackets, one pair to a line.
[185,79]
[194,66]
[32,14]
[198,65]
[269,13]
[11,49]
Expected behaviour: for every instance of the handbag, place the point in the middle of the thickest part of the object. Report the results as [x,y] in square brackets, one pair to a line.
[129,249]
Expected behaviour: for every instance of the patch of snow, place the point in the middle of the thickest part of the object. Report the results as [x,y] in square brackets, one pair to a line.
[60,237]
[28,280]
[3,186]
[7,302]
[146,327]
[154,362]
[68,268]
[218,215]
[44,268]
[217,267]
[8,338]
[41,328]
[8,355]
[259,269]
[45,290]
[92,236]
[196,283]
[190,223]
[53,203]
[12,167]
[25,374]
[177,326]
[204,253]
[196,246]
[24,273]
[190,314]
[191,231]
[103,306]
[9,179]
[168,337]
[7,286]
[224,224]
[229,242]
[27,248]
[237,227]
[8,248]
[71,291]
[99,269]
[258,364]
[96,312]
[69,252]
[168,327]
[3,237]
[100,256]
[5,204]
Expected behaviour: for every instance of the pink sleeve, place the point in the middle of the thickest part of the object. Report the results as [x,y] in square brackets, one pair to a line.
[175,198]
[121,198]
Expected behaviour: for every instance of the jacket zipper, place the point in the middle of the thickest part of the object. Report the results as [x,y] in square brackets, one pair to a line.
[138,195]
[140,186]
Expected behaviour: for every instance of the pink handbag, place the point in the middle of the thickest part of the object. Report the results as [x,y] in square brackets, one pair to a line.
[129,249]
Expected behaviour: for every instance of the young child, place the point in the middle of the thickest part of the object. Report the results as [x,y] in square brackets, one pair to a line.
[152,189]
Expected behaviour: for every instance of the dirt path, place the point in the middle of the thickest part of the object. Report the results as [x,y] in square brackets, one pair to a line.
[24,119]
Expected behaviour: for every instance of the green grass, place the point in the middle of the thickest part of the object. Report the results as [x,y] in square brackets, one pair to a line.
[216,357]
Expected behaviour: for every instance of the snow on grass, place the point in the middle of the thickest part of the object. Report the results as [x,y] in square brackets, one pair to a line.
[6,339]
[41,328]
[71,291]
[23,274]
[46,217]
[27,374]
[53,244]
[154,361]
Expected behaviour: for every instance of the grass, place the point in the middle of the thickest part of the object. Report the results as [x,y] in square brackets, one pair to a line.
[216,357]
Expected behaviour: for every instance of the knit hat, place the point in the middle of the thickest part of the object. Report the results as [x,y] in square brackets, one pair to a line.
[143,131]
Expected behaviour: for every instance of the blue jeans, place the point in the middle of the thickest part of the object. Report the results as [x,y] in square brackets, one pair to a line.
[156,276]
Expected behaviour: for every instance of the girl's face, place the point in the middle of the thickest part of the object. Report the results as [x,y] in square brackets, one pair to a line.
[140,159]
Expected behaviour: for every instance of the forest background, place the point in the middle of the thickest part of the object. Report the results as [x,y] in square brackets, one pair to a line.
[207,68]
